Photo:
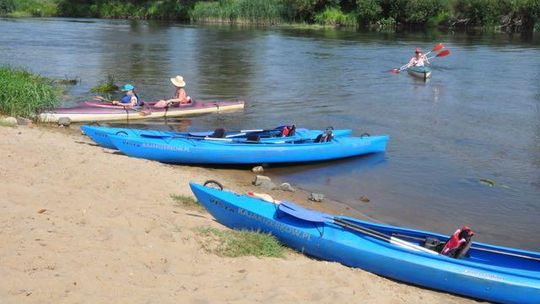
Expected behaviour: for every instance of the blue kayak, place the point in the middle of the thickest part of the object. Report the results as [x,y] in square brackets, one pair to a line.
[486,272]
[100,135]
[230,151]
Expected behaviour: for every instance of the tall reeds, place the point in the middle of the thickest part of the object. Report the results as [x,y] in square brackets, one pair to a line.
[23,94]
[238,11]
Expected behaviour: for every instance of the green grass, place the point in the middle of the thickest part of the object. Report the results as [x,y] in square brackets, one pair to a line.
[232,243]
[29,8]
[187,202]
[23,94]
[238,11]
[333,16]
[105,86]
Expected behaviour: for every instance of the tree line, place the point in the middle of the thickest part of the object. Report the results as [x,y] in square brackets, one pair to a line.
[508,15]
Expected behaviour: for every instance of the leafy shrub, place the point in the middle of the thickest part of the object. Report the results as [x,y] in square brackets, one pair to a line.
[368,11]
[335,17]
[6,7]
[481,12]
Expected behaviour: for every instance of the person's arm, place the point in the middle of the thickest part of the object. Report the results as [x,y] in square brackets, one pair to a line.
[179,98]
[133,101]
[426,60]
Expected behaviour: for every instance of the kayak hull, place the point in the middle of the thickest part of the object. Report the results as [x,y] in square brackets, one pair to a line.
[422,72]
[189,151]
[482,275]
[98,111]
[100,135]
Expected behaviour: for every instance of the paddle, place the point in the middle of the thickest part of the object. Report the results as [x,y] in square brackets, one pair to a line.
[381,236]
[230,140]
[316,216]
[437,47]
[441,54]
[228,137]
[140,111]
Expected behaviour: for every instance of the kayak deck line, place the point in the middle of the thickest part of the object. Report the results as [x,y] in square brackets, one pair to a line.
[87,112]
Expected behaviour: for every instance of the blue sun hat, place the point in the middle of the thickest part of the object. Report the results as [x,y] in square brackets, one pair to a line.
[127,87]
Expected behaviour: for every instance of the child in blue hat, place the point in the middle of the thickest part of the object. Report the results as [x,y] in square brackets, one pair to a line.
[129,99]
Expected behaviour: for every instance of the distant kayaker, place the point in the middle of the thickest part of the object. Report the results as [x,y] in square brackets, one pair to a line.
[180,95]
[129,99]
[419,59]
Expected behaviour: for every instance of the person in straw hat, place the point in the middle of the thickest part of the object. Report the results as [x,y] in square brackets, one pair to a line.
[180,95]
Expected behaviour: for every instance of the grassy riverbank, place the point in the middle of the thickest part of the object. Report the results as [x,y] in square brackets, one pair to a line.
[29,8]
[507,15]
[24,94]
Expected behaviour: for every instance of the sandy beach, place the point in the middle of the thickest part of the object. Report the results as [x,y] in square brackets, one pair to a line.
[83,224]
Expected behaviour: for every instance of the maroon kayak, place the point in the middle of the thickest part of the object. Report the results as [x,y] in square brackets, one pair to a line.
[98,111]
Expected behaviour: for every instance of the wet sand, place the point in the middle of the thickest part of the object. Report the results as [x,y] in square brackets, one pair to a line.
[83,224]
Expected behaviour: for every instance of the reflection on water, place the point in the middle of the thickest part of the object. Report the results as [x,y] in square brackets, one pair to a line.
[477,118]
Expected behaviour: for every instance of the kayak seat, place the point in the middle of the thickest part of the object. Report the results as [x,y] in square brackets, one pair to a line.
[434,244]
[253,138]
[218,133]
[324,137]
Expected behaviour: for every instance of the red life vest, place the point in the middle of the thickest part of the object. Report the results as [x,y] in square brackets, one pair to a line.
[457,241]
[285,131]
[288,131]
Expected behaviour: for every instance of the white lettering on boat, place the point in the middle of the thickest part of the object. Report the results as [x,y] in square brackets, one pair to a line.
[274,224]
[263,220]
[221,204]
[165,147]
[483,275]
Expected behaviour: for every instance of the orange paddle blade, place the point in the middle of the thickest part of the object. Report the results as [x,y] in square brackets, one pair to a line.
[438,46]
[443,53]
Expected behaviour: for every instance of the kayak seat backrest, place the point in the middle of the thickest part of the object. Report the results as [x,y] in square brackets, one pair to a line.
[218,133]
[303,213]
[324,137]
[253,137]
[433,243]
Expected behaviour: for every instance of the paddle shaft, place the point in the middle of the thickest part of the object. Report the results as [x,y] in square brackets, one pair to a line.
[231,140]
[477,248]
[381,236]
[141,112]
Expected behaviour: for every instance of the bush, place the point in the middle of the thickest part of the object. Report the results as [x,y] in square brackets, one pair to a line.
[36,8]
[335,17]
[24,94]
[368,11]
[481,12]
[386,24]
[133,9]
[6,7]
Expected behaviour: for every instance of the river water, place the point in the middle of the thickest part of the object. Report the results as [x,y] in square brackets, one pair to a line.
[464,148]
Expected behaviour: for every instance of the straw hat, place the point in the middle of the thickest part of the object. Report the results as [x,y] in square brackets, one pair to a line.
[178,81]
